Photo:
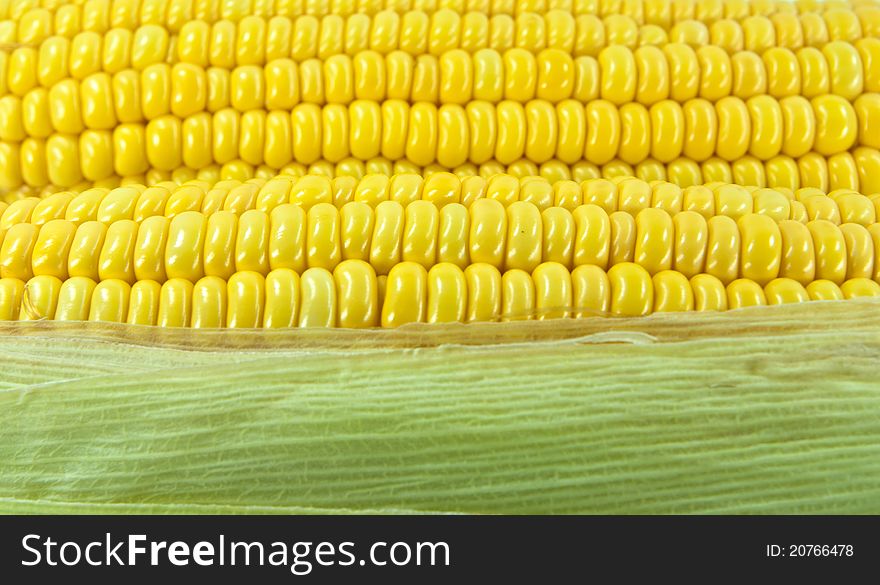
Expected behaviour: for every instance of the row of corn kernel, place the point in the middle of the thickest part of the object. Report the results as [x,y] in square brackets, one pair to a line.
[352,296]
[451,135]
[858,170]
[99,15]
[70,109]
[256,41]
[190,244]
[842,171]
[629,194]
[647,76]
[57,58]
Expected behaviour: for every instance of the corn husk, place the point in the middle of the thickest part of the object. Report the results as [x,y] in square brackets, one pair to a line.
[763,410]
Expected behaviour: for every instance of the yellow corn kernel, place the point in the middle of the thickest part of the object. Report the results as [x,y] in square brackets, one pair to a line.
[672,292]
[603,132]
[241,198]
[183,252]
[845,68]
[860,287]
[784,290]
[244,300]
[446,294]
[252,242]
[109,301]
[82,259]
[691,241]
[859,251]
[524,235]
[655,234]
[323,248]
[148,256]
[421,229]
[824,290]
[452,240]
[745,293]
[52,247]
[488,230]
[357,294]
[75,299]
[798,257]
[52,207]
[553,291]
[282,303]
[40,298]
[709,293]
[175,303]
[116,259]
[17,250]
[632,291]
[836,124]
[209,303]
[761,252]
[830,247]
[723,248]
[484,292]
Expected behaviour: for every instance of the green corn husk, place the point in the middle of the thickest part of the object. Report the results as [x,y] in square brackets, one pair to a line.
[763,410]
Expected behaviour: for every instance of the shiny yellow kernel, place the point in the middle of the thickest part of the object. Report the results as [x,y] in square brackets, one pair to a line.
[51,248]
[357,294]
[484,292]
[672,292]
[175,303]
[860,287]
[488,231]
[830,247]
[183,253]
[632,290]
[824,290]
[709,293]
[109,301]
[745,293]
[405,295]
[39,299]
[74,299]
